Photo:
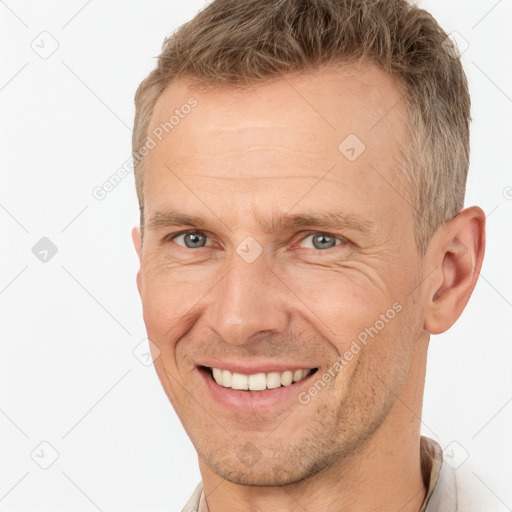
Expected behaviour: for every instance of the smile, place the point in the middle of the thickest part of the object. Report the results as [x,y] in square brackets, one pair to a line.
[258,381]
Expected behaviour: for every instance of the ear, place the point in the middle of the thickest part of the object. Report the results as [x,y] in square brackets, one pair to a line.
[137,243]
[455,253]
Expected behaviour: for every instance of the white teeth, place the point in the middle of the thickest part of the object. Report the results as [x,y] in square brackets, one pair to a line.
[239,381]
[273,380]
[227,376]
[286,378]
[257,381]
[298,375]
[217,375]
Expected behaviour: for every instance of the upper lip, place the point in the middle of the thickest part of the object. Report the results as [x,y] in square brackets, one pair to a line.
[252,368]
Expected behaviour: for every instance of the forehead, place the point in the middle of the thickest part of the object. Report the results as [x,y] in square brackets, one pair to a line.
[297,127]
[349,97]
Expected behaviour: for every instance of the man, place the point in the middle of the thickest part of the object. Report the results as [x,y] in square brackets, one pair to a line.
[300,169]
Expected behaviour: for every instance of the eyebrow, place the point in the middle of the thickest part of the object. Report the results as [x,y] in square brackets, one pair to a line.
[285,222]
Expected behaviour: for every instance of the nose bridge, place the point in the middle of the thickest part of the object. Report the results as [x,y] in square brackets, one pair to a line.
[246,301]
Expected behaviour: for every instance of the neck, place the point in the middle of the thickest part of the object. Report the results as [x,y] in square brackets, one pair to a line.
[384,473]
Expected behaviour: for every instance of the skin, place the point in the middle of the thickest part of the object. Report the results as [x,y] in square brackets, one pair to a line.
[238,158]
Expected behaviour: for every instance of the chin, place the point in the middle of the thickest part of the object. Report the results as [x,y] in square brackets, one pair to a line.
[266,473]
[262,478]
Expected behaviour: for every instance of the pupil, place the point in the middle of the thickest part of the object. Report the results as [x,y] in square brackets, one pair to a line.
[323,241]
[194,240]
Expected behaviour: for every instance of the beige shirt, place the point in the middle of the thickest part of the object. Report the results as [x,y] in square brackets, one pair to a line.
[444,492]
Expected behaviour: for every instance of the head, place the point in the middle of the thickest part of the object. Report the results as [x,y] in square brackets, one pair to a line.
[300,170]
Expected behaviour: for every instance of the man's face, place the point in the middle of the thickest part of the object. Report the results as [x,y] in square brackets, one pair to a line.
[298,247]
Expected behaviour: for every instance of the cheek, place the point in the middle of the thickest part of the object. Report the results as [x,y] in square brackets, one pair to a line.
[340,303]
[388,344]
[170,309]
[171,301]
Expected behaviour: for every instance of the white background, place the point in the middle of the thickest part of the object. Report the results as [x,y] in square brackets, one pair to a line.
[69,326]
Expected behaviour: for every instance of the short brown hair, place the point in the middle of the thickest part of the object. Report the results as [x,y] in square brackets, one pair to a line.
[244,42]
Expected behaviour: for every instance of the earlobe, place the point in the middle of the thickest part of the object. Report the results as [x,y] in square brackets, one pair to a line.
[457,252]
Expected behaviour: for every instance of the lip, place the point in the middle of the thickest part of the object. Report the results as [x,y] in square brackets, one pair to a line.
[253,401]
[236,367]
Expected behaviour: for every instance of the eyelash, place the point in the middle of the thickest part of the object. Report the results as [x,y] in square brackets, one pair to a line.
[341,239]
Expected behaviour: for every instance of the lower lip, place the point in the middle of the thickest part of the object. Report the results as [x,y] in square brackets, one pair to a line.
[253,401]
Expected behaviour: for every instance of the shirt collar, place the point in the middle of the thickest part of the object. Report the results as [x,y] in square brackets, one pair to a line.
[431,457]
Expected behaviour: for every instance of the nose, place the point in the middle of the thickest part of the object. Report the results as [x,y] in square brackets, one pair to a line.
[248,300]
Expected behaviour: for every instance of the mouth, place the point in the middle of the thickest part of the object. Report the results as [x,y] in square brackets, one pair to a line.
[257,382]
[262,388]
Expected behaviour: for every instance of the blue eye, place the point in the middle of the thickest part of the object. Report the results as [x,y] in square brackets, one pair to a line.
[191,240]
[321,241]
